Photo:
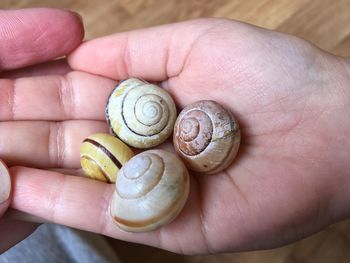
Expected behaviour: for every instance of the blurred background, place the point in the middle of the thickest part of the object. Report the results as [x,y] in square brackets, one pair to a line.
[323,22]
[326,23]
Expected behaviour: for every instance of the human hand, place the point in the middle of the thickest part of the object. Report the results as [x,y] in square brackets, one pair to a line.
[289,180]
[27,37]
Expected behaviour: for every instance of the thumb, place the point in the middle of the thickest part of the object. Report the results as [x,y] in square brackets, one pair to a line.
[35,35]
[5,187]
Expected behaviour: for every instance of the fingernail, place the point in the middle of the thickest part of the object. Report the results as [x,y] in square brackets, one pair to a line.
[5,182]
[78,16]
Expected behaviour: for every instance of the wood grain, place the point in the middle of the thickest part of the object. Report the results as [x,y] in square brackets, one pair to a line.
[323,22]
[326,23]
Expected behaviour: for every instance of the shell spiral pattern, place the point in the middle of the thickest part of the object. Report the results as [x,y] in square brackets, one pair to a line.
[151,189]
[102,155]
[206,137]
[140,114]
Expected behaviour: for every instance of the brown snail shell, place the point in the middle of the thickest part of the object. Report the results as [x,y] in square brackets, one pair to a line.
[206,137]
[151,190]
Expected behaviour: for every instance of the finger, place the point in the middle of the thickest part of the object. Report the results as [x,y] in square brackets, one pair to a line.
[31,36]
[156,53]
[55,67]
[5,187]
[71,171]
[83,203]
[45,144]
[64,199]
[76,95]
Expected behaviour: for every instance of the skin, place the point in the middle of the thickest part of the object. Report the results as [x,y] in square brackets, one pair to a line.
[27,51]
[289,180]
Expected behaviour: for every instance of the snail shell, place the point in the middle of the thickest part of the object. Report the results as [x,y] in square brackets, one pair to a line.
[5,182]
[151,190]
[140,114]
[102,155]
[206,137]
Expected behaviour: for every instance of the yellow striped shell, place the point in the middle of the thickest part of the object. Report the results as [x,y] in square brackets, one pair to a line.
[151,190]
[206,137]
[140,114]
[102,155]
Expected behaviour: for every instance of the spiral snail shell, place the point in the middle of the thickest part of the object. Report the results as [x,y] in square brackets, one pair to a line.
[5,182]
[151,190]
[206,137]
[140,114]
[102,155]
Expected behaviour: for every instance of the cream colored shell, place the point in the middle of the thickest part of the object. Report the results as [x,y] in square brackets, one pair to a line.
[5,182]
[140,114]
[102,155]
[151,190]
[206,137]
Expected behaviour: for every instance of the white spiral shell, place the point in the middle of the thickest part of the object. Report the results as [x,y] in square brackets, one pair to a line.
[151,190]
[140,114]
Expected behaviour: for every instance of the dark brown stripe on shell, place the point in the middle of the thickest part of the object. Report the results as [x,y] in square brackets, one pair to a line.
[126,124]
[109,98]
[108,119]
[108,180]
[105,151]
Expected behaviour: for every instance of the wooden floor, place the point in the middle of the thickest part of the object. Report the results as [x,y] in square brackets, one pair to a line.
[323,22]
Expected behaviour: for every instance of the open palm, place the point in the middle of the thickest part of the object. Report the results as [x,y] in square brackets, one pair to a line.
[282,90]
